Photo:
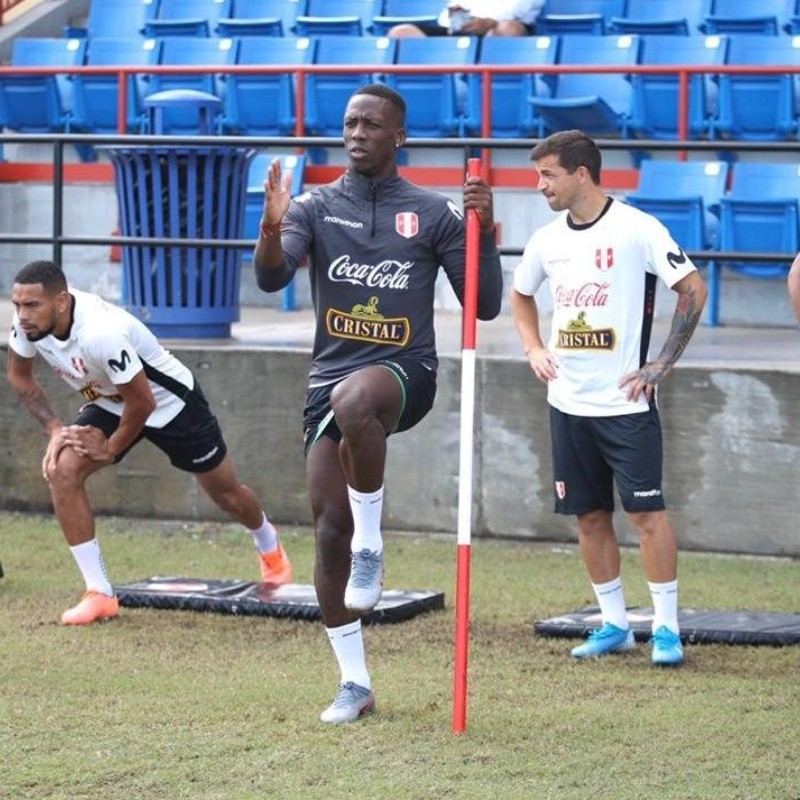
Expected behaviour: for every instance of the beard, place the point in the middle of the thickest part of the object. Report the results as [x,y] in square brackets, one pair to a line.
[39,334]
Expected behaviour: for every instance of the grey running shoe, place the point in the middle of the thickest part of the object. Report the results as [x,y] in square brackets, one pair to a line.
[351,702]
[365,584]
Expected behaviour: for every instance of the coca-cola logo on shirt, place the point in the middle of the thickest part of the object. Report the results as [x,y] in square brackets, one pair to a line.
[592,294]
[387,274]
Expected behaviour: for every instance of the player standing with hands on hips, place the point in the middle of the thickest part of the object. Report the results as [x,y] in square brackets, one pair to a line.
[376,243]
[602,260]
[134,389]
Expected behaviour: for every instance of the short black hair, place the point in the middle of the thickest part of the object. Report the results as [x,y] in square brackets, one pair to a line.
[49,274]
[395,99]
[574,149]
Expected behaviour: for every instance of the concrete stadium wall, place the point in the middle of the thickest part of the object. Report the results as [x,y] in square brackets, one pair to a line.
[732,453]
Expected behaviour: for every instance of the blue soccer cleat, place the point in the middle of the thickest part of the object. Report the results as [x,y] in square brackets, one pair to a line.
[365,585]
[351,702]
[608,639]
[667,648]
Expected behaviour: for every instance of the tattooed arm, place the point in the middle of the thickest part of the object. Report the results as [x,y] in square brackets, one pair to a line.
[20,376]
[691,299]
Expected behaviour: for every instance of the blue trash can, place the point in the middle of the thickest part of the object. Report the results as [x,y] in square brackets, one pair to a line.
[187,192]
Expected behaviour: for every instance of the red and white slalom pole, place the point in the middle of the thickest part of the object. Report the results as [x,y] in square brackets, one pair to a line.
[464,533]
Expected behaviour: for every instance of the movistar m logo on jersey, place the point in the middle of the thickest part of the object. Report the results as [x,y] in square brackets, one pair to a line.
[676,259]
[119,366]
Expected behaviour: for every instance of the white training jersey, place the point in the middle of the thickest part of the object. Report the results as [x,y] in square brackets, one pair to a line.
[525,11]
[107,347]
[602,277]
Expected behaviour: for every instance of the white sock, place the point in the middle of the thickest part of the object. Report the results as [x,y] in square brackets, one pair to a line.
[366,508]
[665,605]
[90,562]
[348,646]
[265,538]
[611,600]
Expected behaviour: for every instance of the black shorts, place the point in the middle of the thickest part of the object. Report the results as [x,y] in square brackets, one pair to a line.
[590,453]
[417,382]
[192,441]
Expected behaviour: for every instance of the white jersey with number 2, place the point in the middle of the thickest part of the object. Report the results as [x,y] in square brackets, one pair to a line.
[602,277]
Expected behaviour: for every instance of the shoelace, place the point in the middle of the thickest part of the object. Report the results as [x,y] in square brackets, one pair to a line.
[348,693]
[366,565]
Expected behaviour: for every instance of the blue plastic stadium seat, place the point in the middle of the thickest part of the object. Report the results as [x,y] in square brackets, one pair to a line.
[186,51]
[323,17]
[293,165]
[264,105]
[599,104]
[40,103]
[327,95]
[433,103]
[759,215]
[654,109]
[115,19]
[186,17]
[685,196]
[656,17]
[749,16]
[259,18]
[792,25]
[759,107]
[578,16]
[398,12]
[95,97]
[513,116]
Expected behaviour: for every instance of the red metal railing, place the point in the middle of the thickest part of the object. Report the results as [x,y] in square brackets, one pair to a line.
[7,5]
[683,73]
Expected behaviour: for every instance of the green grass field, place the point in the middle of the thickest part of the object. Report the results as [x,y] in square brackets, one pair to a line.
[168,705]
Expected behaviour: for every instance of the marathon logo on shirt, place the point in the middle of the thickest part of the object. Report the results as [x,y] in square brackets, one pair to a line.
[364,323]
[346,222]
[580,335]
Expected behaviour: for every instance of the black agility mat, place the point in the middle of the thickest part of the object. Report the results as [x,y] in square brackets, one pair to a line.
[708,626]
[294,600]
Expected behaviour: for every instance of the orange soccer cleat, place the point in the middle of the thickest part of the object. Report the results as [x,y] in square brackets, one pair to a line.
[276,567]
[94,606]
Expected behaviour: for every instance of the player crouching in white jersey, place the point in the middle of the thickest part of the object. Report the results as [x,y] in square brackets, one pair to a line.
[602,260]
[135,389]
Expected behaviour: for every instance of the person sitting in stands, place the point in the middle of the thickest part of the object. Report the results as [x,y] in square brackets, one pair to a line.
[478,18]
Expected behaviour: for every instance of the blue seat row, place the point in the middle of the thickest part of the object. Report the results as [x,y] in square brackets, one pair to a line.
[227,18]
[154,18]
[677,17]
[709,205]
[760,107]
[748,107]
